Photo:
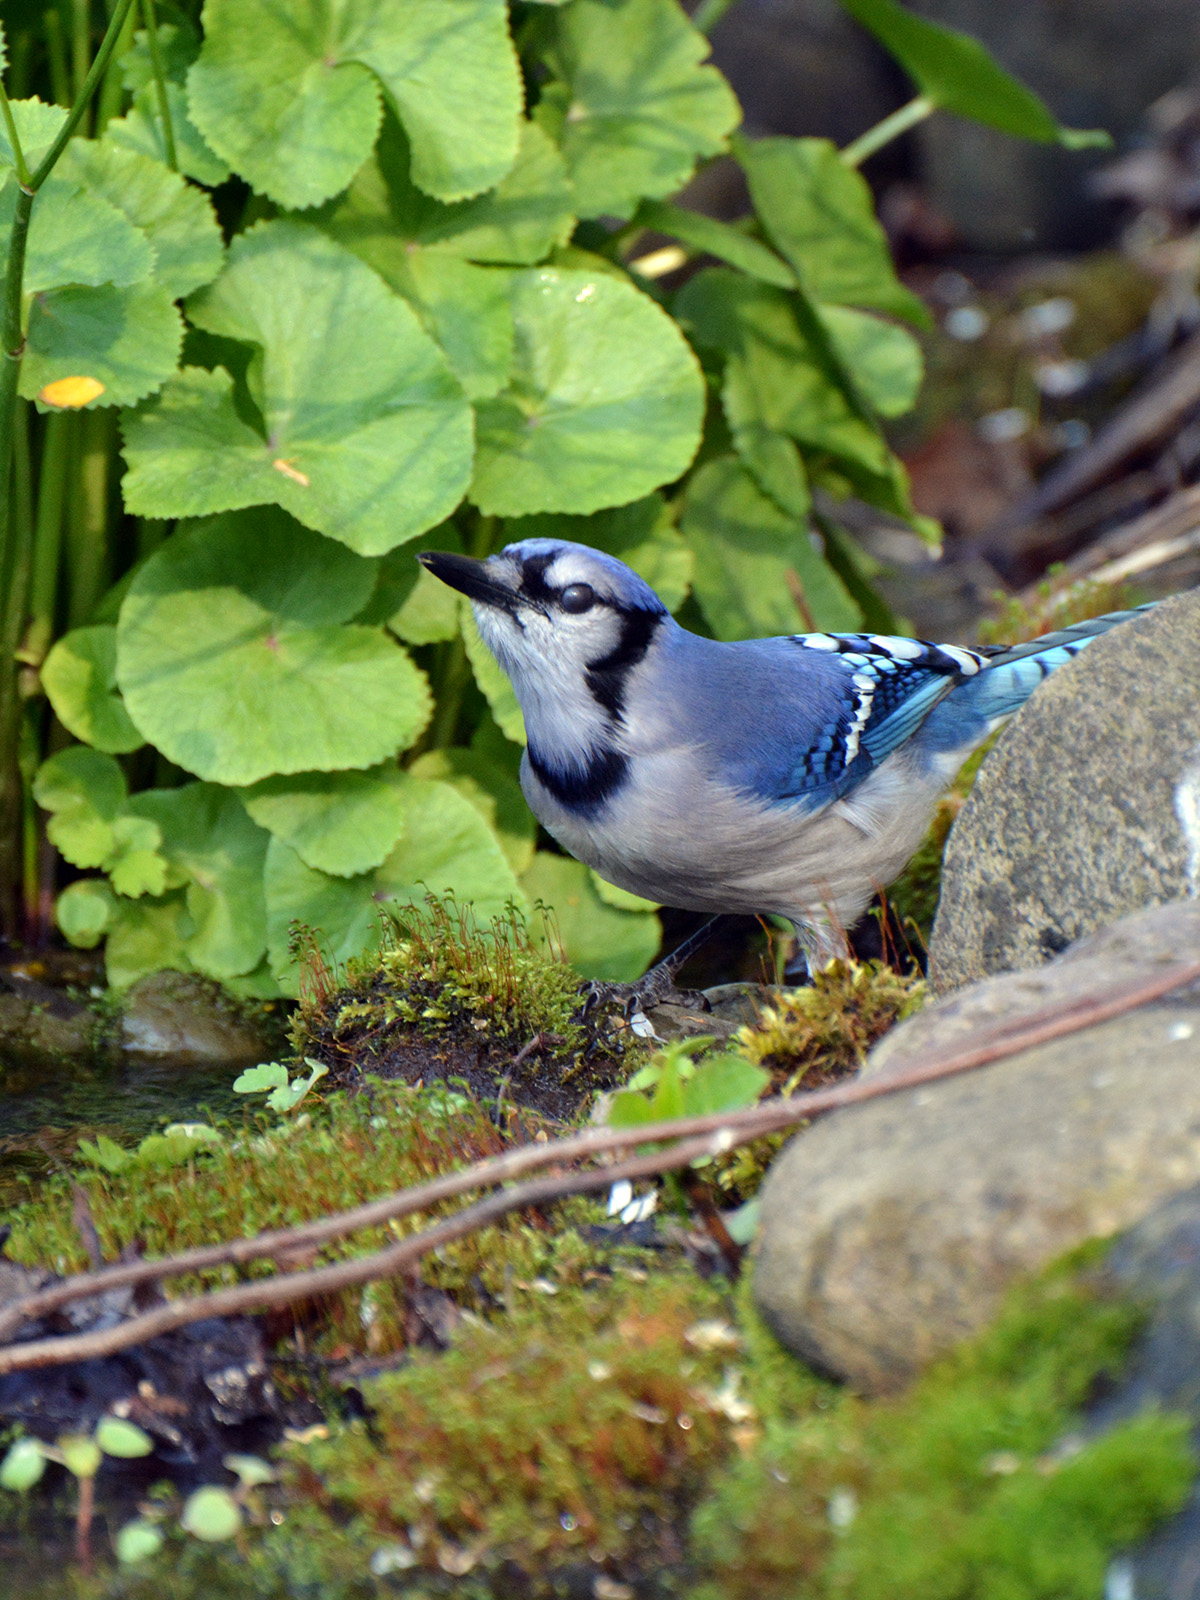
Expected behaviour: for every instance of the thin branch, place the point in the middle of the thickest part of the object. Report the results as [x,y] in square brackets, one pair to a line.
[699,1136]
[914,111]
[99,66]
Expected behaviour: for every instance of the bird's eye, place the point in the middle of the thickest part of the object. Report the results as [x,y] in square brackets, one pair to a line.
[577,597]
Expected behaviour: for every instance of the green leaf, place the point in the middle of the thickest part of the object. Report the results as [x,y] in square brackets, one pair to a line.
[820,213]
[134,863]
[753,560]
[426,612]
[176,219]
[957,74]
[38,125]
[642,535]
[80,679]
[445,848]
[23,1465]
[599,940]
[118,1437]
[80,1453]
[84,912]
[777,378]
[384,218]
[288,1096]
[207,836]
[141,129]
[621,898]
[258,1080]
[492,679]
[85,790]
[718,239]
[342,823]
[723,1083]
[127,339]
[138,1541]
[147,935]
[211,1514]
[494,794]
[368,434]
[105,1153]
[76,237]
[466,309]
[252,1471]
[291,99]
[885,361]
[641,107]
[605,404]
[232,661]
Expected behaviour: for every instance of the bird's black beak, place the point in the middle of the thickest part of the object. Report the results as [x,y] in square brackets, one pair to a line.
[469,577]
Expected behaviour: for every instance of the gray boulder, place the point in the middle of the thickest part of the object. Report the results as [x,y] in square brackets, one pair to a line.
[1088,808]
[893,1229]
[189,1020]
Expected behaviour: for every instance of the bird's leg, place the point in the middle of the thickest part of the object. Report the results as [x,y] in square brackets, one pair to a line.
[657,987]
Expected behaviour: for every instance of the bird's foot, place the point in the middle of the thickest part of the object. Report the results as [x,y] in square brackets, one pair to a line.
[657,988]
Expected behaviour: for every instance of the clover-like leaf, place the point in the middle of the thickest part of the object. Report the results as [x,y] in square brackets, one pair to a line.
[957,74]
[446,847]
[605,403]
[820,214]
[885,361]
[126,339]
[77,236]
[134,863]
[258,1080]
[368,434]
[291,99]
[494,794]
[80,1454]
[23,1465]
[231,659]
[137,1540]
[85,791]
[640,106]
[80,679]
[755,565]
[642,535]
[342,823]
[211,1514]
[207,836]
[176,219]
[599,940]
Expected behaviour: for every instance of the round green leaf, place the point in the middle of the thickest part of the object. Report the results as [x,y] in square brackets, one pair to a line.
[231,661]
[291,98]
[38,125]
[605,403]
[85,790]
[211,1514]
[445,848]
[116,1436]
[176,218]
[620,898]
[494,794]
[84,911]
[140,129]
[127,339]
[22,1466]
[641,105]
[598,939]
[368,433]
[251,1470]
[343,823]
[76,236]
[137,1541]
[80,679]
[147,935]
[207,837]
[80,1453]
[885,361]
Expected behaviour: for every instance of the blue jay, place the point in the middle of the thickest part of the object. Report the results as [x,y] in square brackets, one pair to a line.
[792,775]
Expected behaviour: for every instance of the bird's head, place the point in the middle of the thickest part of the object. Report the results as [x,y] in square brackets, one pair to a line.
[567,623]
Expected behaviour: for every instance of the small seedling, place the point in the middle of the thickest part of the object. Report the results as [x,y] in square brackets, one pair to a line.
[285,1095]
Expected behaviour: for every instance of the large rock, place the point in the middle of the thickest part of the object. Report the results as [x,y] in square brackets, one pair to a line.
[893,1229]
[189,1020]
[1088,808]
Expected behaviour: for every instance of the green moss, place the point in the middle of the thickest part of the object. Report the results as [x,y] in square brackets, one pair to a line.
[277,1173]
[445,999]
[968,1487]
[582,1428]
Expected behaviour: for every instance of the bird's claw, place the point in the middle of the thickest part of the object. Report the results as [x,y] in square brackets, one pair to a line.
[655,989]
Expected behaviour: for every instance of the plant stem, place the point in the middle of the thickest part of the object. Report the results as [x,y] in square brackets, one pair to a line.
[47,536]
[14,140]
[56,56]
[708,13]
[890,128]
[89,557]
[81,42]
[160,83]
[108,102]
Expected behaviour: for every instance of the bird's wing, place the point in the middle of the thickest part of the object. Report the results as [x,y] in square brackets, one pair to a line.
[891,685]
